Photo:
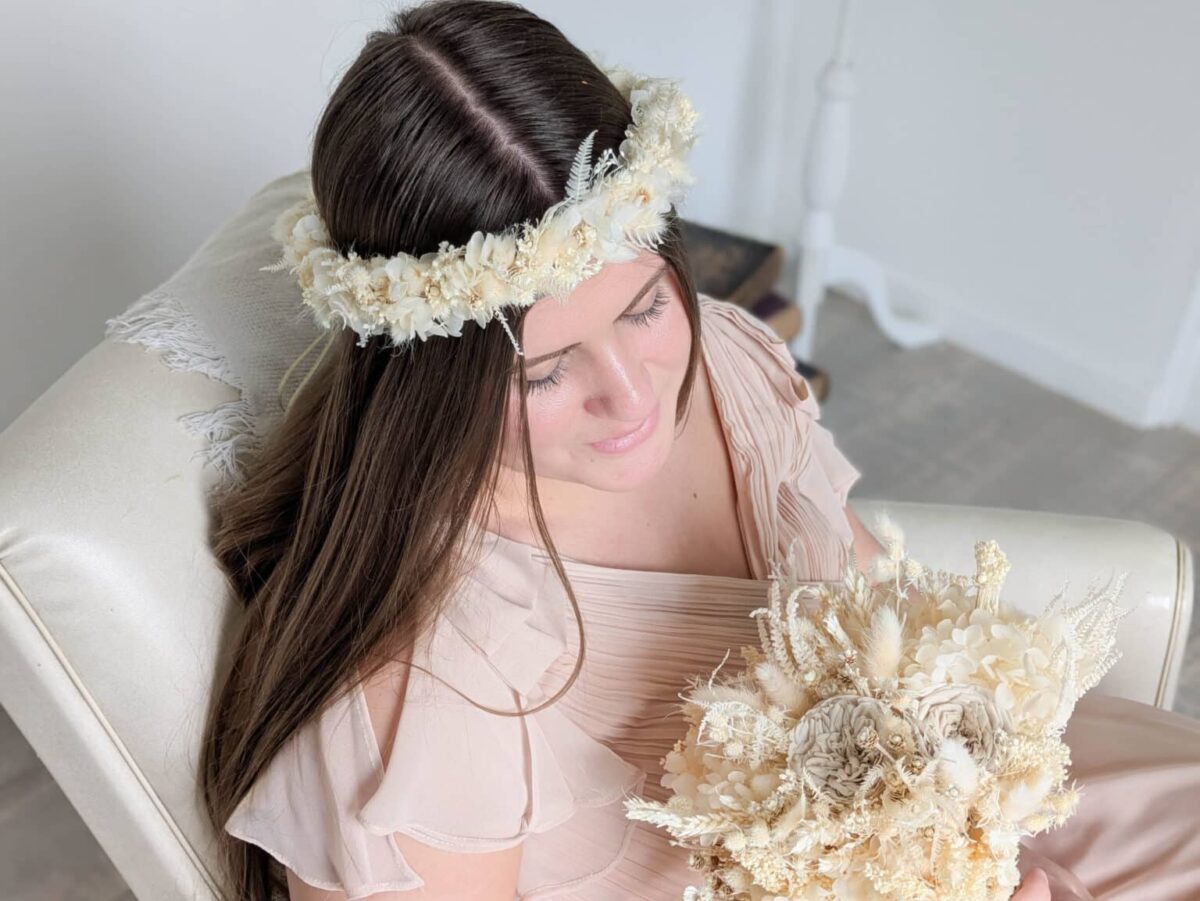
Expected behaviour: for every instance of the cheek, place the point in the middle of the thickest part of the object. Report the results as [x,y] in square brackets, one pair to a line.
[550,424]
[680,339]
[669,354]
[551,418]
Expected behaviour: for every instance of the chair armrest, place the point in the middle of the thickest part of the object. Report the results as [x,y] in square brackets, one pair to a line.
[1047,549]
[113,612]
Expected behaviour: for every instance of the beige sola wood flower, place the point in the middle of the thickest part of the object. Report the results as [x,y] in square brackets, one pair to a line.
[886,741]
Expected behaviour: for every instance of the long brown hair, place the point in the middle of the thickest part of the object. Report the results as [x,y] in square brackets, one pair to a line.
[349,532]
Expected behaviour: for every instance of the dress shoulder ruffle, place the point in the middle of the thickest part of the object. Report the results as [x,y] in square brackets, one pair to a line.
[772,419]
[458,778]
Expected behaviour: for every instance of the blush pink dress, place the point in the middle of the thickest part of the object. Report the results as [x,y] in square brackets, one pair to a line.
[464,780]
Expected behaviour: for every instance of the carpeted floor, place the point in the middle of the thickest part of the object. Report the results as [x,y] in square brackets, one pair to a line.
[942,425]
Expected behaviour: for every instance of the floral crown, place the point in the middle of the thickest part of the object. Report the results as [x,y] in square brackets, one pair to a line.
[610,210]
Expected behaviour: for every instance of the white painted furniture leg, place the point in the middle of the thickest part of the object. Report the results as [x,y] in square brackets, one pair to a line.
[823,262]
[862,277]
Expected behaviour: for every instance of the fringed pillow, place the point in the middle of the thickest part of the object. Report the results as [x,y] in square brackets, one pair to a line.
[220,315]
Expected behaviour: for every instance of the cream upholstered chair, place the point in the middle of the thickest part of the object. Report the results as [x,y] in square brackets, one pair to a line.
[113,612]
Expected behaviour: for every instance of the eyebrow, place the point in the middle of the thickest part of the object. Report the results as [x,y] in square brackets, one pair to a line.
[633,303]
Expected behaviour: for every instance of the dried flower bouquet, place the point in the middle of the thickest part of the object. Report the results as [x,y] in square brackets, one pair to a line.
[889,740]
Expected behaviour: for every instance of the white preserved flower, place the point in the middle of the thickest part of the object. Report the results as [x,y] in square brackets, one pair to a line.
[840,743]
[963,712]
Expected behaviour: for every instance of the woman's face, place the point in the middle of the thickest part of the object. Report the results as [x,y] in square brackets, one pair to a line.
[605,368]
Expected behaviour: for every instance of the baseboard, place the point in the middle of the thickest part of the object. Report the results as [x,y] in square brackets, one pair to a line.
[1094,383]
[1192,422]
[1177,401]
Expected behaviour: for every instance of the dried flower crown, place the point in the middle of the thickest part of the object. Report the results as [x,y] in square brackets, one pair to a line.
[610,210]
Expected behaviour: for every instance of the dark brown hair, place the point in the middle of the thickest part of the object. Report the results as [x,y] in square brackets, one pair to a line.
[349,533]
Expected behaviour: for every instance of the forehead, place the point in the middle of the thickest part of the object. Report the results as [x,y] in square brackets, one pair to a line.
[596,301]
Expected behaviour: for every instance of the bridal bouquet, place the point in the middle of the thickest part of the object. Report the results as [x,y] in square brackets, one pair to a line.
[888,741]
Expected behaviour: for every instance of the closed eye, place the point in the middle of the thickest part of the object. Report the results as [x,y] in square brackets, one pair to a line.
[653,312]
[644,319]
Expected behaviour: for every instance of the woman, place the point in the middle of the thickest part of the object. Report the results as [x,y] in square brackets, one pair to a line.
[478,566]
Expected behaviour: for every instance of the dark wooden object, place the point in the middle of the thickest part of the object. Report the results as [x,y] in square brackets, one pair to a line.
[745,271]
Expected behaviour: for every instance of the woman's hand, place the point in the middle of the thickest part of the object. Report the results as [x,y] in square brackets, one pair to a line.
[1034,887]
[866,545]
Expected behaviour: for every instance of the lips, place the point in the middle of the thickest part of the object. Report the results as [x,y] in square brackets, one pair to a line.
[620,443]
[626,434]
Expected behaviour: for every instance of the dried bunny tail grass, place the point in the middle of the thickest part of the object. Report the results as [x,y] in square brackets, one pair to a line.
[780,690]
[956,768]
[884,645]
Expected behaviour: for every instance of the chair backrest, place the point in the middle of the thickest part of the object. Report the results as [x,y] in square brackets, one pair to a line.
[113,611]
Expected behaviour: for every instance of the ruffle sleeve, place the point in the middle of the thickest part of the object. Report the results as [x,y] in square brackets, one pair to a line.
[772,415]
[458,778]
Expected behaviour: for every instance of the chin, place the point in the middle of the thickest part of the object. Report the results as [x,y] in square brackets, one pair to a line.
[628,471]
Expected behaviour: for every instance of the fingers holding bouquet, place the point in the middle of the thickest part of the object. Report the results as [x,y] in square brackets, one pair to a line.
[877,562]
[1034,887]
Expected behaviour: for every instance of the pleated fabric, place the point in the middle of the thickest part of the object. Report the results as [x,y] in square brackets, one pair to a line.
[464,780]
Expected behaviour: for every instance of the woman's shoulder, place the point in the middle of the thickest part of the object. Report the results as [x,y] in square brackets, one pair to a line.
[726,313]
[752,361]
[411,754]
[773,416]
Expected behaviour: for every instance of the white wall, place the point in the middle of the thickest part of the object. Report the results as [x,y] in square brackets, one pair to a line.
[1191,405]
[1028,170]
[1192,412]
[130,130]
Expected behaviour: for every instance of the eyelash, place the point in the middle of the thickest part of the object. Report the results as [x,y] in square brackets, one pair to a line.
[643,319]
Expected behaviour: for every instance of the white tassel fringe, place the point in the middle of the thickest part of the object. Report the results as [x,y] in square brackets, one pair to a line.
[158,321]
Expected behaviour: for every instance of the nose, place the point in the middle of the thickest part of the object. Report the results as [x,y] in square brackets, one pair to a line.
[623,390]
